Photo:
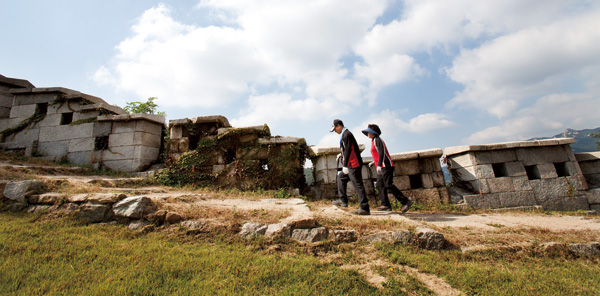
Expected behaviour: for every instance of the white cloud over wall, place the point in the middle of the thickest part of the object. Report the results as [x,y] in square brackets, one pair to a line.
[280,61]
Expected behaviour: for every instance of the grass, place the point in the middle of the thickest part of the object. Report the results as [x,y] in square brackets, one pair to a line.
[507,272]
[63,256]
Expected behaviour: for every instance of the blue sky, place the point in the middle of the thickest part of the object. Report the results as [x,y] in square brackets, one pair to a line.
[432,74]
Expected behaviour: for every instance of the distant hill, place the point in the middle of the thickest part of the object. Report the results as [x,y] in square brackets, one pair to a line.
[584,143]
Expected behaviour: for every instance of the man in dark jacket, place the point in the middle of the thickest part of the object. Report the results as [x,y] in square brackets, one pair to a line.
[351,169]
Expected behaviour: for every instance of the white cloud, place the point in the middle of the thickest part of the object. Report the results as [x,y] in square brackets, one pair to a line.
[277,107]
[548,116]
[532,62]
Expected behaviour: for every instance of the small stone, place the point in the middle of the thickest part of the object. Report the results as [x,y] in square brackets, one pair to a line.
[93,212]
[278,229]
[173,217]
[17,191]
[345,236]
[157,217]
[311,235]
[253,229]
[429,239]
[138,224]
[589,250]
[304,223]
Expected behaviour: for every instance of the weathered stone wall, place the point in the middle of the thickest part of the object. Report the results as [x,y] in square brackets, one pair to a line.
[207,150]
[589,163]
[6,98]
[418,174]
[516,174]
[60,124]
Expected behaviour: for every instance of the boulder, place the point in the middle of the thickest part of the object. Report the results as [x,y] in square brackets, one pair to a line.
[93,212]
[589,250]
[429,239]
[173,217]
[46,198]
[253,229]
[133,207]
[106,198]
[345,236]
[278,229]
[311,235]
[17,191]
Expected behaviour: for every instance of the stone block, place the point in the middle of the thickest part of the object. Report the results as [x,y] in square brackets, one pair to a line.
[593,180]
[430,239]
[27,135]
[547,189]
[593,196]
[23,111]
[123,127]
[49,120]
[573,168]
[311,235]
[428,197]
[102,129]
[521,184]
[82,144]
[504,184]
[438,179]
[176,132]
[4,112]
[85,115]
[19,190]
[483,201]
[133,207]
[144,152]
[515,169]
[148,139]
[57,148]
[578,182]
[547,170]
[473,173]
[427,181]
[495,156]
[320,175]
[125,165]
[121,139]
[539,155]
[567,203]
[444,194]
[462,160]
[407,167]
[150,127]
[436,164]
[589,167]
[118,153]
[345,236]
[66,132]
[402,182]
[517,199]
[84,157]
[425,166]
[475,186]
[332,175]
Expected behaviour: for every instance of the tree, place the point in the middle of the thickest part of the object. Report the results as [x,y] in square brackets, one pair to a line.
[149,107]
[596,136]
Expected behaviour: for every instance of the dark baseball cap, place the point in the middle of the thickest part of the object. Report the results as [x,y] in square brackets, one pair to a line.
[336,122]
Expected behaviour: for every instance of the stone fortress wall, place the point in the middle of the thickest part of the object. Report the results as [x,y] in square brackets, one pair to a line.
[60,124]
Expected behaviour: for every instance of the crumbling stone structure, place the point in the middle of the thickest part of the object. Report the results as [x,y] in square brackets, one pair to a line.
[515,174]
[418,174]
[590,167]
[60,124]
[207,150]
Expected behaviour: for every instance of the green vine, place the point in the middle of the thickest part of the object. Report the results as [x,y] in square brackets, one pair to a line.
[247,165]
[31,121]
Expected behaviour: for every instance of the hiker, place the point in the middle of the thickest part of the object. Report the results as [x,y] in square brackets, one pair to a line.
[385,171]
[351,169]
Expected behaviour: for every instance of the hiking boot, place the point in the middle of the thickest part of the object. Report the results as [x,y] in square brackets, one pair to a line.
[339,203]
[405,207]
[362,212]
[384,209]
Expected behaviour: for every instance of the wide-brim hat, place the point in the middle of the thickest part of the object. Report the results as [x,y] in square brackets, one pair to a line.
[369,130]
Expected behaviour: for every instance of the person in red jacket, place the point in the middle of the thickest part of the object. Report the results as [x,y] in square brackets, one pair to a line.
[351,169]
[385,171]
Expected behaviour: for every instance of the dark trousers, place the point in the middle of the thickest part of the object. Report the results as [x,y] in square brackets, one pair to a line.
[354,175]
[385,182]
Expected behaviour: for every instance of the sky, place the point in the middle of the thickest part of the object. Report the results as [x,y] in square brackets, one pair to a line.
[430,73]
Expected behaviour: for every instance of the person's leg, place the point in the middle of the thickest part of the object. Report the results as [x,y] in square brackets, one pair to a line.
[383,193]
[342,183]
[356,178]
[388,181]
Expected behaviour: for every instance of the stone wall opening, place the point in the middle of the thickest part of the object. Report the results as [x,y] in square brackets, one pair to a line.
[500,170]
[415,181]
[561,169]
[41,108]
[66,118]
[532,172]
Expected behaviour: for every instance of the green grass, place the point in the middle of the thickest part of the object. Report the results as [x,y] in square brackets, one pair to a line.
[505,272]
[66,257]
